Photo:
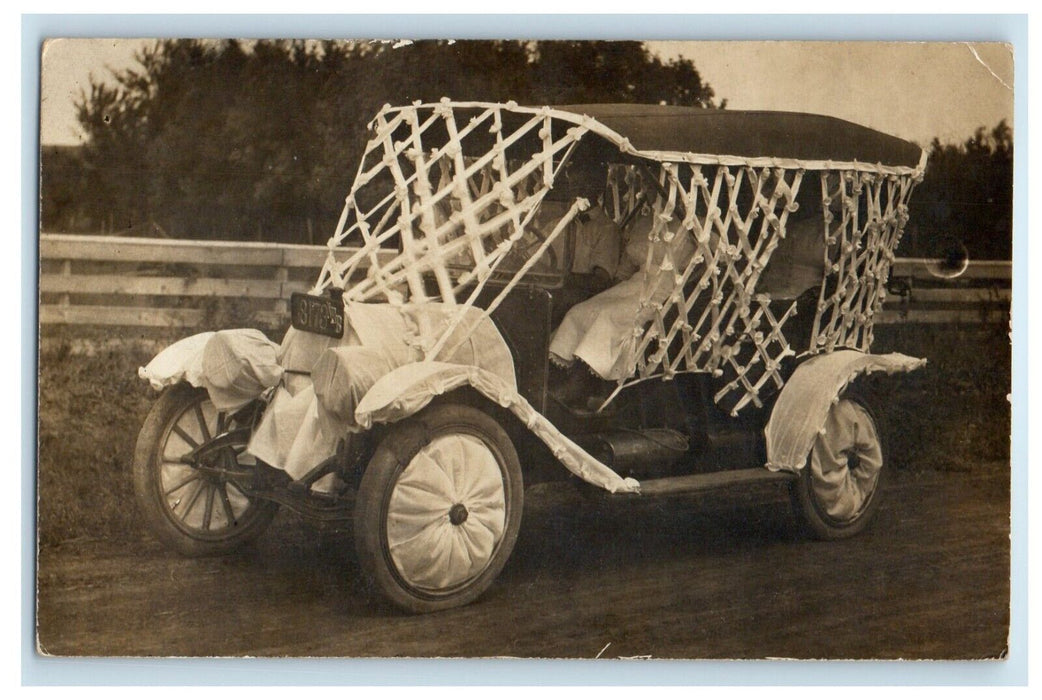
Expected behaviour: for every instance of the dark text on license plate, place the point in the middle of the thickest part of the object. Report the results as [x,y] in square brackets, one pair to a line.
[319,315]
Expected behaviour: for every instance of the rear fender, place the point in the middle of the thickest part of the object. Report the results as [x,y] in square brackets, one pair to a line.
[408,389]
[802,407]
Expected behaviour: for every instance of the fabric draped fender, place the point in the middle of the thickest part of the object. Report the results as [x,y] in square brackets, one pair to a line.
[235,366]
[410,388]
[802,408]
[239,366]
[181,361]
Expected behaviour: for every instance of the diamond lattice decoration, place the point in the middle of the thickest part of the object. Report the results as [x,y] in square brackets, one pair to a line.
[456,187]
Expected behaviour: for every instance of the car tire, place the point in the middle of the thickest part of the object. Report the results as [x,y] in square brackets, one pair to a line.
[839,489]
[439,508]
[196,508]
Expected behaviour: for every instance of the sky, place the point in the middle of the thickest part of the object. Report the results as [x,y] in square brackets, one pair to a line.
[913,90]
[917,91]
[66,67]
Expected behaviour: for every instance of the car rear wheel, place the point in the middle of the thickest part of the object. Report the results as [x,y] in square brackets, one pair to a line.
[839,489]
[439,508]
[192,475]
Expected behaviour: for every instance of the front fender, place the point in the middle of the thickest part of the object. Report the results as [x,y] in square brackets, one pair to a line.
[182,361]
[235,366]
[408,389]
[801,409]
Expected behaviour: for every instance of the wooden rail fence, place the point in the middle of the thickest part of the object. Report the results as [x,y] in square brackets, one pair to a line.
[157,283]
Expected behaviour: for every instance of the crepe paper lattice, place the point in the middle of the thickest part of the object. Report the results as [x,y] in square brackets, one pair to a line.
[710,241]
[458,209]
[699,311]
[450,183]
[444,203]
[859,252]
[625,190]
[759,365]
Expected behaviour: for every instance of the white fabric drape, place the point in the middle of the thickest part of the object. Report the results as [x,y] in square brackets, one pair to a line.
[428,549]
[846,460]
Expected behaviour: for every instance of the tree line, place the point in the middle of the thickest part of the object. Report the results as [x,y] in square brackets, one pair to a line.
[260,140]
[966,196]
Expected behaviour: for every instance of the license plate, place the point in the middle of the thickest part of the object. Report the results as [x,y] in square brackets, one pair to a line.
[319,315]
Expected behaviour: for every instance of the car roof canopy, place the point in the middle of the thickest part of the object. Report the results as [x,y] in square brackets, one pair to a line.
[670,132]
[500,160]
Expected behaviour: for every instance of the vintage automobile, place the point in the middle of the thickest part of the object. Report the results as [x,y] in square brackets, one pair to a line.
[414,397]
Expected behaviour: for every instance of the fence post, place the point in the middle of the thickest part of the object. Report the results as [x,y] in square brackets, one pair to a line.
[282,276]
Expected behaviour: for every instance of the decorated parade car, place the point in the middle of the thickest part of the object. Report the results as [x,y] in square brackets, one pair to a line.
[642,300]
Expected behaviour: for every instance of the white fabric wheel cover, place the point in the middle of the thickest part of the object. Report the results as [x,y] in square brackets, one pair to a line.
[454,477]
[183,489]
[840,488]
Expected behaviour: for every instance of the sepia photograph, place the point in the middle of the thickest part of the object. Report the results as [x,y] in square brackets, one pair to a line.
[524,348]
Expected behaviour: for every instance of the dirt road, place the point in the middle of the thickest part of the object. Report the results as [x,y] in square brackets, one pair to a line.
[722,576]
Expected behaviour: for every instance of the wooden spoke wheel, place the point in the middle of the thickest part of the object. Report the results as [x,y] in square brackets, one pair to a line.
[192,476]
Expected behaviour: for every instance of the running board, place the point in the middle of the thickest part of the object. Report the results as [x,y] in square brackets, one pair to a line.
[711,481]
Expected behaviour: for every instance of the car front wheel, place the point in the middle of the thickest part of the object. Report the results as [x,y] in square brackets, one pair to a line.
[192,476]
[439,508]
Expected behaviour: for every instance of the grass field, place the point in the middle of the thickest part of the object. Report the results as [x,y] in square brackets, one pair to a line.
[953,415]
